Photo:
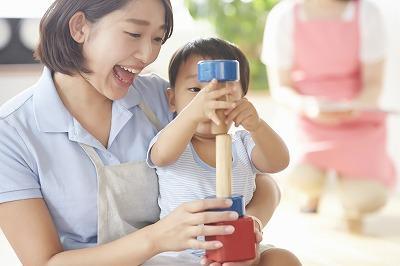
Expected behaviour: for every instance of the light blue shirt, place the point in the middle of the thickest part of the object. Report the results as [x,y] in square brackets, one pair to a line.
[40,155]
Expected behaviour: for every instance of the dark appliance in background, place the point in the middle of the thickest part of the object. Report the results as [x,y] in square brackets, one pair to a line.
[17,40]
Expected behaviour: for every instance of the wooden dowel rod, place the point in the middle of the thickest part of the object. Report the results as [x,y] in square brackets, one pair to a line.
[224,165]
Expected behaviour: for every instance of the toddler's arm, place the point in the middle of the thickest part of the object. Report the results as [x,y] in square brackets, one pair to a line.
[270,154]
[174,138]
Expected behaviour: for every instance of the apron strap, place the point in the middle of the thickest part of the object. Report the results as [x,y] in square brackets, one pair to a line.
[91,152]
[357,5]
[94,157]
[296,11]
[150,115]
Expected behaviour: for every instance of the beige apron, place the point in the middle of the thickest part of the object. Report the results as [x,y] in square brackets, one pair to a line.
[127,193]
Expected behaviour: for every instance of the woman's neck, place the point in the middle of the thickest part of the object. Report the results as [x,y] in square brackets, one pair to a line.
[324,9]
[325,3]
[78,95]
[86,105]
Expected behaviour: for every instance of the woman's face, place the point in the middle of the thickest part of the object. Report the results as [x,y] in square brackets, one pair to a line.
[121,44]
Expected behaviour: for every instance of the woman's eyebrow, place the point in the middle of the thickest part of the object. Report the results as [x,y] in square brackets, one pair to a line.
[141,22]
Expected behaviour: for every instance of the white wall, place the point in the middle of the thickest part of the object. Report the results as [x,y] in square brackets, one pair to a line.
[391,96]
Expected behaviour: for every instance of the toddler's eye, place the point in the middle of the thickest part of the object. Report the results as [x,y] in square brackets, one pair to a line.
[194,89]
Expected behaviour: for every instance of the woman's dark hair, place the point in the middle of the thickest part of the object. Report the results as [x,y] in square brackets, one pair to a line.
[58,51]
[210,48]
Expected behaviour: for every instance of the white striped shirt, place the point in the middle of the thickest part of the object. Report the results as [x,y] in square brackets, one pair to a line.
[189,178]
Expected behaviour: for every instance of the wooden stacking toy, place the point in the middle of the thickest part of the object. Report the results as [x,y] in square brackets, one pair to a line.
[240,245]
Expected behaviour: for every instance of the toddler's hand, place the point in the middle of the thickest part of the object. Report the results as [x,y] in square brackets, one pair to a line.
[208,100]
[244,114]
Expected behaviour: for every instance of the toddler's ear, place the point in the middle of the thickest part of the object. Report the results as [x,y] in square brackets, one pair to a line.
[171,99]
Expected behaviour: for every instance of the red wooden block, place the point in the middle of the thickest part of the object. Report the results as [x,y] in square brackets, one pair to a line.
[238,246]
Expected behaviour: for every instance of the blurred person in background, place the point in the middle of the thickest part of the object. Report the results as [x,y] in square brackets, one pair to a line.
[325,60]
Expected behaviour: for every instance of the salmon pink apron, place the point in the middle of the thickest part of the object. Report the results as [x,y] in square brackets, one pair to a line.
[327,65]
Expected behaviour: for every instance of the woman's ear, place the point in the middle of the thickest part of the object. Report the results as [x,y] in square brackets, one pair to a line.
[78,27]
[171,99]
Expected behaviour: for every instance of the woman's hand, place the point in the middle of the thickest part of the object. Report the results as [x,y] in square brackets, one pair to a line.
[254,261]
[327,113]
[178,231]
[335,118]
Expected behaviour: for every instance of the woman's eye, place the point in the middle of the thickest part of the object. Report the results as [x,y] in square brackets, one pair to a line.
[194,89]
[158,39]
[134,35]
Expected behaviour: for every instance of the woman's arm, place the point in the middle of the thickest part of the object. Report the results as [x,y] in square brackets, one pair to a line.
[28,226]
[282,91]
[372,80]
[372,76]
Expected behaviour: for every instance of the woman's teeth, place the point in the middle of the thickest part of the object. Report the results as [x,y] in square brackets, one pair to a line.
[131,70]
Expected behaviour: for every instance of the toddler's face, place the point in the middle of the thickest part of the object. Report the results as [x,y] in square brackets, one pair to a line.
[186,88]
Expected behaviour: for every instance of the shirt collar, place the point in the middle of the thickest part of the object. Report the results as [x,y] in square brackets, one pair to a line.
[49,111]
[131,99]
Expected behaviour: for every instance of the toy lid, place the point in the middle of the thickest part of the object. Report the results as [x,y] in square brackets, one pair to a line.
[221,70]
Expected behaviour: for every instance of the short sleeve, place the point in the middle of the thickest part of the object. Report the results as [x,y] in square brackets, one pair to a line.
[249,145]
[373,42]
[148,159]
[17,180]
[277,50]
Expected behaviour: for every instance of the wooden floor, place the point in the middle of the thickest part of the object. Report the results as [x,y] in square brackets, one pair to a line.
[322,239]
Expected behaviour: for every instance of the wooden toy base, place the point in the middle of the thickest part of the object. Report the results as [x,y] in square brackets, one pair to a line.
[239,246]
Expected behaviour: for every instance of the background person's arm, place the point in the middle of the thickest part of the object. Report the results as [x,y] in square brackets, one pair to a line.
[281,87]
[372,78]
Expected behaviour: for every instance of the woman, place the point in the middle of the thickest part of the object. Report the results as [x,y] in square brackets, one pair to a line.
[74,186]
[323,53]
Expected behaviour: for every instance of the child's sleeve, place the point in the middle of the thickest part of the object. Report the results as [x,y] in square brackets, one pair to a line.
[148,156]
[249,146]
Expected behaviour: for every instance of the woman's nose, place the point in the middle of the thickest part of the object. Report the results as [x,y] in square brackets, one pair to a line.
[144,52]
